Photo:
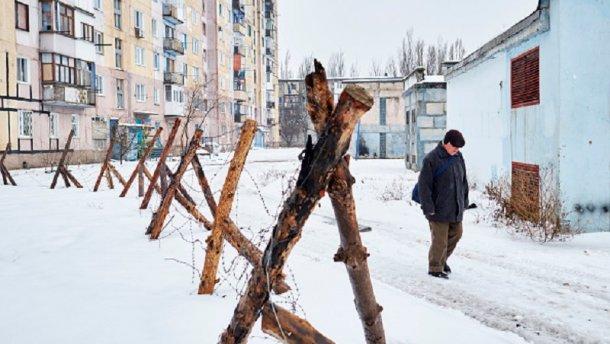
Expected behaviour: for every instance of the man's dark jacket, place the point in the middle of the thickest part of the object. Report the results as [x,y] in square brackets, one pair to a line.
[444,198]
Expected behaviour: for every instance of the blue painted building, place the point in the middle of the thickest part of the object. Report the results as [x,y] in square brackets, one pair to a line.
[536,98]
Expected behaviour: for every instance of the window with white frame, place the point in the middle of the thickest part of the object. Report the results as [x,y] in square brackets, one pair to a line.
[185,71]
[118,13]
[139,21]
[75,125]
[97,4]
[156,60]
[168,93]
[23,70]
[193,16]
[195,46]
[139,56]
[140,92]
[99,42]
[184,41]
[156,96]
[53,125]
[25,123]
[99,85]
[195,73]
[120,93]
[153,27]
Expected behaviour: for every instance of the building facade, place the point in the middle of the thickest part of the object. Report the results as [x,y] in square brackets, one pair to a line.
[535,99]
[102,66]
[425,114]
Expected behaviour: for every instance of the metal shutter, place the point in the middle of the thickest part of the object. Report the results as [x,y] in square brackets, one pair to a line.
[525,79]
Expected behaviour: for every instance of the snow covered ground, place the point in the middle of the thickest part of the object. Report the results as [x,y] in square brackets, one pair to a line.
[76,267]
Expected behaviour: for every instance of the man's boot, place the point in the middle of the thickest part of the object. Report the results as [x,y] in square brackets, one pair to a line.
[438,274]
[447,269]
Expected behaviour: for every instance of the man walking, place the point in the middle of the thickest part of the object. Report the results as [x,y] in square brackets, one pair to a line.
[443,193]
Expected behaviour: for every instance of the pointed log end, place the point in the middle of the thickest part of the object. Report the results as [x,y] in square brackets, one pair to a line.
[360,94]
[318,68]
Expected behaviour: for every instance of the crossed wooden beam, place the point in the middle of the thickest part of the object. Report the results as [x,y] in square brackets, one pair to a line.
[6,175]
[62,169]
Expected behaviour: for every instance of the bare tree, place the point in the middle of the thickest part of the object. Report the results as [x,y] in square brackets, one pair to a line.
[353,71]
[431,60]
[285,71]
[441,55]
[306,66]
[456,50]
[390,68]
[375,69]
[336,65]
[419,49]
[406,54]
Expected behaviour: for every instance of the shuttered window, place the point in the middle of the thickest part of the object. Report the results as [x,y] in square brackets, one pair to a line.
[525,79]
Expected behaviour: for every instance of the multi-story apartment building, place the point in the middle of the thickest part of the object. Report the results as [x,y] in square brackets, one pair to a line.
[93,65]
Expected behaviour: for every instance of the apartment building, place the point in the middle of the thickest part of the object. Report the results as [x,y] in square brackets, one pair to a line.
[134,65]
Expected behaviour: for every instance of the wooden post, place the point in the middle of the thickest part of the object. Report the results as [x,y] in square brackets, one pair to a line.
[6,175]
[351,252]
[156,225]
[105,166]
[316,167]
[61,162]
[117,174]
[163,178]
[149,148]
[214,241]
[69,175]
[109,178]
[231,232]
[289,328]
[141,181]
[159,171]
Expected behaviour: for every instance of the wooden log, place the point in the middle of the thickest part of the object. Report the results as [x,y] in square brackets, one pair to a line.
[141,181]
[351,251]
[232,234]
[317,164]
[64,176]
[353,254]
[156,225]
[289,328]
[6,175]
[62,161]
[163,180]
[117,174]
[105,166]
[221,216]
[69,175]
[4,178]
[160,170]
[149,148]
[109,178]
[189,206]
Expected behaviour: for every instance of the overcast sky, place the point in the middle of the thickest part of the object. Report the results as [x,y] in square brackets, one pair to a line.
[373,29]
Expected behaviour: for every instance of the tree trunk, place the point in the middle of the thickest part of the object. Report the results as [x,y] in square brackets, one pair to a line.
[160,170]
[232,234]
[61,162]
[311,184]
[289,328]
[156,225]
[105,166]
[221,216]
[351,252]
[133,175]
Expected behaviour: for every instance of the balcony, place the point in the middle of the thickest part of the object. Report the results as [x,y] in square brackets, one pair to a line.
[270,105]
[138,32]
[173,78]
[170,13]
[240,28]
[64,95]
[172,44]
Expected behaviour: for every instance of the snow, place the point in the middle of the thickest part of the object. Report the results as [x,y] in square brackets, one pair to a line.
[76,267]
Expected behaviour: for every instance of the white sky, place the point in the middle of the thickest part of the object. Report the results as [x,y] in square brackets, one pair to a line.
[373,29]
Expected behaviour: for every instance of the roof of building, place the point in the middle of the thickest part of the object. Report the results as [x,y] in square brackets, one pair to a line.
[532,24]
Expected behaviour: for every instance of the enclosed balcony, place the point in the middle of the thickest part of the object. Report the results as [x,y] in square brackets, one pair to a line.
[172,44]
[171,14]
[65,95]
[173,78]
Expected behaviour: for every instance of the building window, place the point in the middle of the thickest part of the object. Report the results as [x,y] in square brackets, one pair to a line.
[22,16]
[74,125]
[156,96]
[195,46]
[99,85]
[153,27]
[120,93]
[64,69]
[66,20]
[525,190]
[196,73]
[382,111]
[168,93]
[23,70]
[53,125]
[156,59]
[184,41]
[525,79]
[118,53]
[47,16]
[99,42]
[140,92]
[139,56]
[139,20]
[97,4]
[117,14]
[87,32]
[185,71]
[84,72]
[25,124]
